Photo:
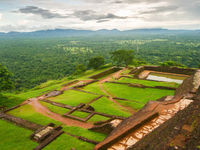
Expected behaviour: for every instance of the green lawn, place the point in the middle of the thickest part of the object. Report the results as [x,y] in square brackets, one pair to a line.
[94,87]
[14,137]
[73,98]
[9,100]
[84,132]
[66,142]
[148,83]
[137,94]
[104,105]
[55,109]
[27,112]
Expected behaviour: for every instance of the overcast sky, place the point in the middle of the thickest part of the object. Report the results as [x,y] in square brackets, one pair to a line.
[31,15]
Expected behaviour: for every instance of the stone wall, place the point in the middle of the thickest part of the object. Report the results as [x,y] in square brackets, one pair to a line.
[176,70]
[104,73]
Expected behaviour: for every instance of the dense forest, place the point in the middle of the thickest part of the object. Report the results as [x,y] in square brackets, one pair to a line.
[35,60]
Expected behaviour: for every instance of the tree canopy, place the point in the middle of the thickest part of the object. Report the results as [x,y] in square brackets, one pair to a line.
[79,69]
[122,57]
[96,62]
[171,64]
[5,79]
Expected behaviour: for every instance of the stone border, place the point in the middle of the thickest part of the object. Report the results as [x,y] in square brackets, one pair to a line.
[56,133]
[134,126]
[20,122]
[70,83]
[185,71]
[104,73]
[142,86]
[85,84]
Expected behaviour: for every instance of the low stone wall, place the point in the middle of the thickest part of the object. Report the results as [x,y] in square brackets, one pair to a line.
[84,84]
[189,85]
[70,83]
[20,122]
[176,70]
[185,71]
[143,86]
[106,72]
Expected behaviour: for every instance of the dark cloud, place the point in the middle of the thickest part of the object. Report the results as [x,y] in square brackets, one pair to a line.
[160,9]
[87,15]
[44,13]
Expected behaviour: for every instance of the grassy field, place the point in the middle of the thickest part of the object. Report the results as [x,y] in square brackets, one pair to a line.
[148,83]
[73,98]
[55,109]
[27,112]
[66,142]
[104,105]
[15,138]
[94,87]
[137,94]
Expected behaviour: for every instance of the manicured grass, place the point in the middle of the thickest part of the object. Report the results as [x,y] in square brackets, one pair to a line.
[105,105]
[96,118]
[66,142]
[80,114]
[55,109]
[15,138]
[27,112]
[148,83]
[9,100]
[94,87]
[84,132]
[142,95]
[73,98]
[62,111]
[135,106]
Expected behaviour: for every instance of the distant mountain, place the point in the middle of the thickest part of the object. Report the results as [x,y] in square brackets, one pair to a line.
[105,32]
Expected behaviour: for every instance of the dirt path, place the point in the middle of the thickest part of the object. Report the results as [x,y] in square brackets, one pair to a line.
[46,112]
[110,97]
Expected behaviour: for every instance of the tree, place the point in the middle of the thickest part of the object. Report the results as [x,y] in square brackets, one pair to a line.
[79,69]
[5,79]
[122,57]
[171,64]
[96,62]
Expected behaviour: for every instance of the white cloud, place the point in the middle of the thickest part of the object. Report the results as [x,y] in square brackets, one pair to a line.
[95,14]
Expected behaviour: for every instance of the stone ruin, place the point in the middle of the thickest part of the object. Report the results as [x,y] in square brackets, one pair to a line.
[132,132]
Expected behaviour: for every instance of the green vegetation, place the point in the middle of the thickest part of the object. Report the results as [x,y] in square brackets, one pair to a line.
[171,64]
[80,114]
[37,60]
[55,109]
[27,112]
[73,98]
[96,62]
[105,105]
[133,93]
[5,79]
[94,87]
[66,142]
[79,69]
[14,137]
[148,83]
[122,57]
[84,132]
